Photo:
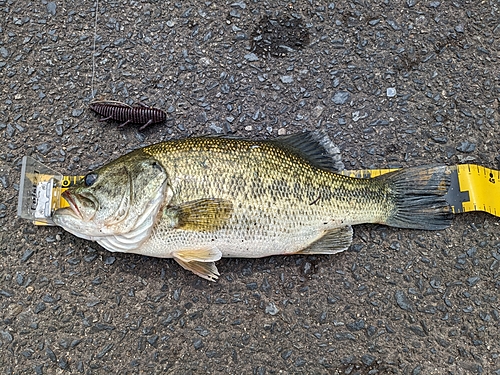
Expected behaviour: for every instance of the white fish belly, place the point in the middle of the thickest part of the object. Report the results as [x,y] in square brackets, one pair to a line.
[232,243]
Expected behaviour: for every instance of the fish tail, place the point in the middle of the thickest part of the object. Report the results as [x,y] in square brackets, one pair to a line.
[418,197]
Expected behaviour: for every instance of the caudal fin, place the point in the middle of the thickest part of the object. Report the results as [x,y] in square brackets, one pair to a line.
[418,195]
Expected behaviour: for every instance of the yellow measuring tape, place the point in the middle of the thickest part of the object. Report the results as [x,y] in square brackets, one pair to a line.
[480,187]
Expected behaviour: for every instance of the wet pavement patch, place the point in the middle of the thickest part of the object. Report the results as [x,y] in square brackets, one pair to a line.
[278,37]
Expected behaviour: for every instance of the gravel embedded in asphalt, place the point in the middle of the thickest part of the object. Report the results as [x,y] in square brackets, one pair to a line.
[398,301]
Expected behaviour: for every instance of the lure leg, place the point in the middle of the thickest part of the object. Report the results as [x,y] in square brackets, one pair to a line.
[125,123]
[146,124]
[105,119]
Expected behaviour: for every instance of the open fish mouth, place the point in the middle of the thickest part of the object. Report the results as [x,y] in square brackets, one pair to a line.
[75,201]
[72,204]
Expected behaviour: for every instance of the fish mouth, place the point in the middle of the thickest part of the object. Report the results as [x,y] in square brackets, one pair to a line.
[72,203]
[75,200]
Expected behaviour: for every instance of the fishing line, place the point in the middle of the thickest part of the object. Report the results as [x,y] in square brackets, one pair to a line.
[93,50]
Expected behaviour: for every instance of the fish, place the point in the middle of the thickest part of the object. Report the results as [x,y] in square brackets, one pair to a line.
[199,199]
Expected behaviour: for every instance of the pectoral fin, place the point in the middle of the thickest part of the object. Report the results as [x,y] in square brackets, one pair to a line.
[200,262]
[200,215]
[332,242]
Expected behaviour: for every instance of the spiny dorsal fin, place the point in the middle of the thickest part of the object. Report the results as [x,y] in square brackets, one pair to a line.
[200,215]
[315,147]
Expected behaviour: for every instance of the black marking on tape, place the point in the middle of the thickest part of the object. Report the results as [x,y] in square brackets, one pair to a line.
[454,196]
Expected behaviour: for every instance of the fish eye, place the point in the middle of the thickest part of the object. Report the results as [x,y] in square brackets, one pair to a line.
[90,179]
[156,165]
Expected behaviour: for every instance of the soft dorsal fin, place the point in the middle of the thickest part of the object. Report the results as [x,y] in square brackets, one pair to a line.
[315,147]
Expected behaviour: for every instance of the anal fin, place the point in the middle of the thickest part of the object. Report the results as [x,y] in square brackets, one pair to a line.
[201,262]
[333,241]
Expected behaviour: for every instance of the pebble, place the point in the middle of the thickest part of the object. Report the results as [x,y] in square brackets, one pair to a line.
[473,280]
[104,350]
[286,79]
[417,370]
[393,24]
[356,116]
[119,42]
[466,147]
[216,128]
[5,293]
[59,128]
[379,122]
[465,159]
[391,92]
[340,336]
[441,140]
[4,180]
[202,331]
[63,363]
[317,111]
[299,362]
[240,4]
[6,336]
[40,307]
[285,354]
[356,326]
[271,309]
[198,344]
[79,366]
[10,130]
[403,301]
[251,57]
[76,112]
[471,252]
[252,286]
[89,257]
[368,359]
[50,354]
[4,52]
[51,8]
[341,97]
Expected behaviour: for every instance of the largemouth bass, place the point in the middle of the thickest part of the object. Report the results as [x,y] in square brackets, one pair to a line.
[199,199]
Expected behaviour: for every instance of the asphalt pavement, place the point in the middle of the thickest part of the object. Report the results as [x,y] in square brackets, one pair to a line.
[394,84]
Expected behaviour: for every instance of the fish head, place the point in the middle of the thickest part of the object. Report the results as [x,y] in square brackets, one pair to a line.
[115,199]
